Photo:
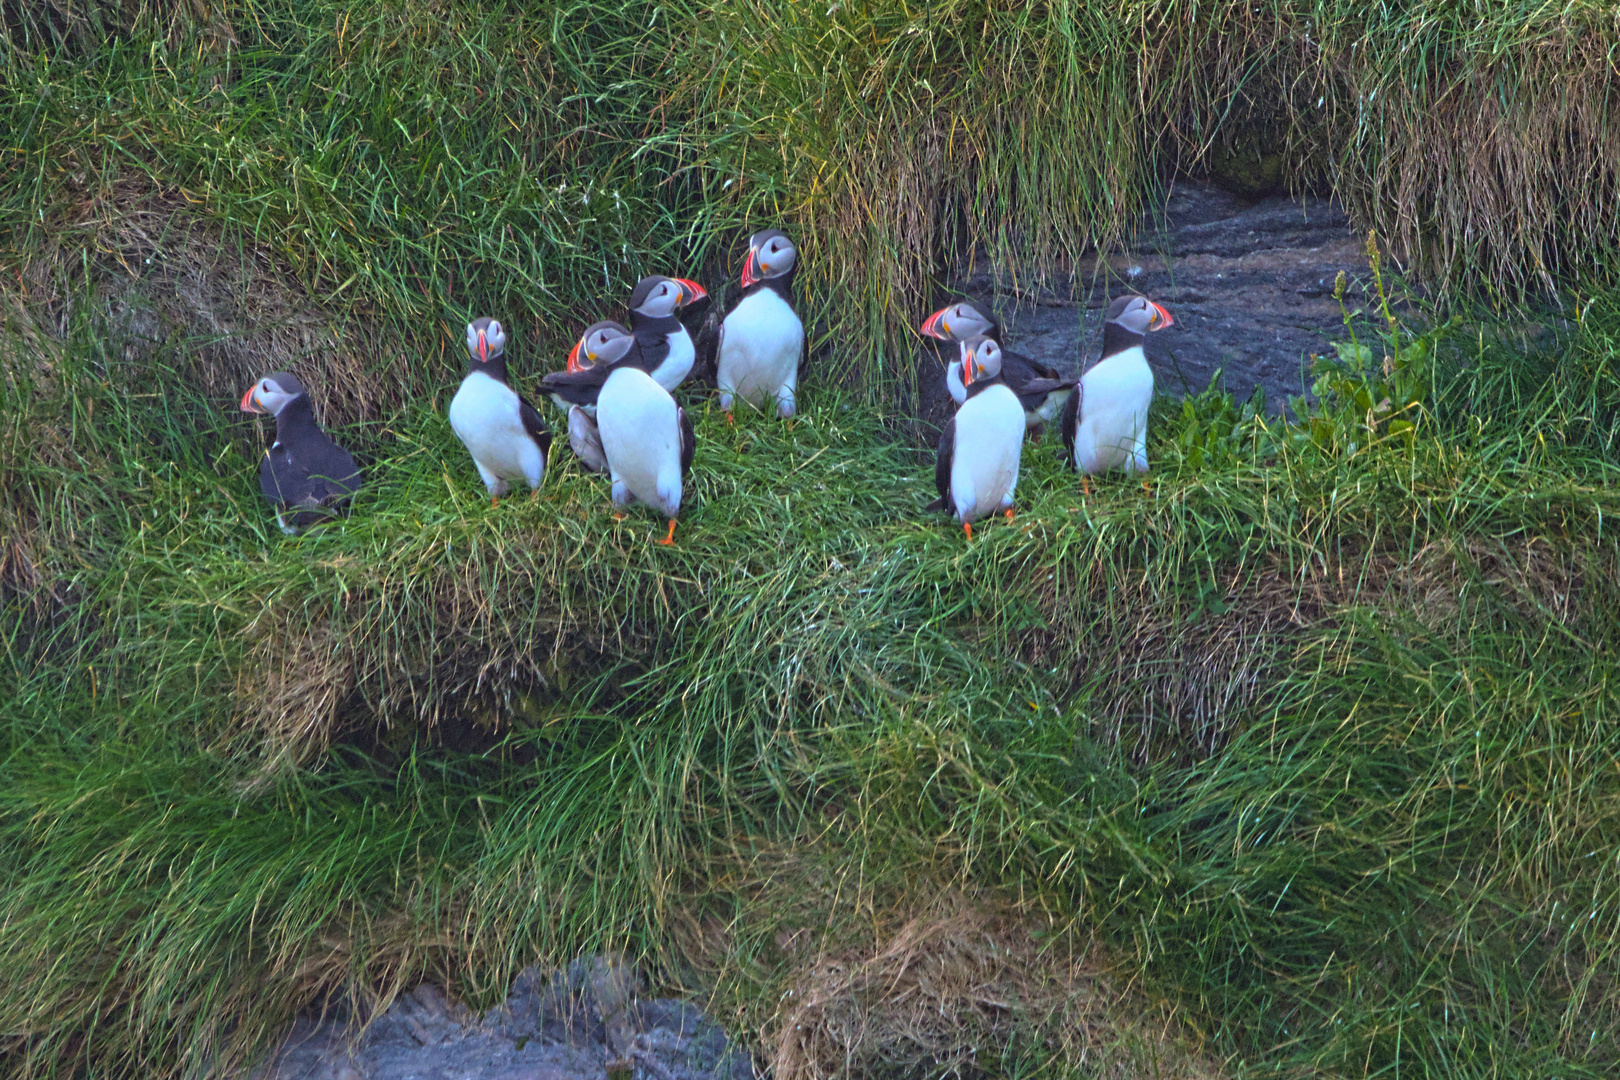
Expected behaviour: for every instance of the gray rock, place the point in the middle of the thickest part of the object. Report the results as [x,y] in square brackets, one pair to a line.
[587,1022]
[1249,282]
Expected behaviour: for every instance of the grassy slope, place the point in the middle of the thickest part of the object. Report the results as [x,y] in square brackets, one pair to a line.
[1318,740]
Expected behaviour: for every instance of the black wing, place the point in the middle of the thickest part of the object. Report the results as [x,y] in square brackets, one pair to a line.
[1071,424]
[706,342]
[536,428]
[1019,369]
[313,471]
[577,387]
[1032,395]
[942,468]
[688,440]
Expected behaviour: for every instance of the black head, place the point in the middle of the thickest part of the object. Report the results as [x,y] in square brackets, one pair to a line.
[1138,314]
[657,296]
[961,321]
[273,393]
[603,343]
[486,340]
[981,360]
[771,255]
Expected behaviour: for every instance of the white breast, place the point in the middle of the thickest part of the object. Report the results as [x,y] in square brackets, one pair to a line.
[678,364]
[484,415]
[759,353]
[641,437]
[985,456]
[1115,395]
[953,380]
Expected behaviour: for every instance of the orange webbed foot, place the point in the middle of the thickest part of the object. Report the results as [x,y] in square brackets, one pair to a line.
[967,527]
[1085,484]
[1009,513]
[730,420]
[494,500]
[670,538]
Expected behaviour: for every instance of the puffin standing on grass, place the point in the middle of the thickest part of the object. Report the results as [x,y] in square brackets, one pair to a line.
[1105,419]
[1040,389]
[506,437]
[762,337]
[976,468]
[666,348]
[647,439]
[305,475]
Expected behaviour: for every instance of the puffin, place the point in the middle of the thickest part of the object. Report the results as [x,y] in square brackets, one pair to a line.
[1039,386]
[762,337]
[647,439]
[575,388]
[506,437]
[305,475]
[665,345]
[1105,419]
[976,466]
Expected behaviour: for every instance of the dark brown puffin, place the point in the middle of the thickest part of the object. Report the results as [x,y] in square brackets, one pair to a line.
[1040,389]
[305,475]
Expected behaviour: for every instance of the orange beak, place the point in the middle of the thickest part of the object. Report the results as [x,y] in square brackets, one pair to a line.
[1161,318]
[934,326]
[573,356]
[750,272]
[249,404]
[967,372]
[691,291]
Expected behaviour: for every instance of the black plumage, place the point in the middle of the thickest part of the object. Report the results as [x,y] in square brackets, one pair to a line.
[306,476]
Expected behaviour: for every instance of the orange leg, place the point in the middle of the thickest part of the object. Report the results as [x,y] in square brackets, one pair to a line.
[968,528]
[730,420]
[1009,513]
[1085,484]
[1147,486]
[494,500]
[670,539]
[620,517]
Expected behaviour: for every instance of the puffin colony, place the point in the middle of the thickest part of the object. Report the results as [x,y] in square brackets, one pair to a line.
[617,388]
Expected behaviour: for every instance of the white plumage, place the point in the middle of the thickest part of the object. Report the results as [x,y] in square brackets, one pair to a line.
[485,416]
[678,364]
[761,341]
[1111,431]
[989,437]
[640,429]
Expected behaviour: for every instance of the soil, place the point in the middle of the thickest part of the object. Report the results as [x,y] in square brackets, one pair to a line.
[1249,282]
[585,1023]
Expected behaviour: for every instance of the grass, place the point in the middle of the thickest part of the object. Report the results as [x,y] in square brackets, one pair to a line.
[1300,764]
[1315,743]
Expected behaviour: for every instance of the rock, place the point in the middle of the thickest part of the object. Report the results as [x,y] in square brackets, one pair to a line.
[587,1022]
[1249,282]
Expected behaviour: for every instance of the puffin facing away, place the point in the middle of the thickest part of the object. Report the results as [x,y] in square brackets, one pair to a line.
[306,476]
[976,467]
[762,338]
[1105,419]
[666,346]
[506,437]
[1039,387]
